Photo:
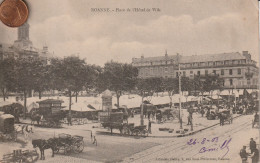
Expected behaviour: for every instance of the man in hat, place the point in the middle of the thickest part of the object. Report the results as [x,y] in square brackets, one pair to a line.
[255,156]
[252,145]
[93,135]
[243,154]
[149,127]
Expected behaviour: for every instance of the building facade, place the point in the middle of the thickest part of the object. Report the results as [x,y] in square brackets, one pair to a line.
[23,47]
[237,69]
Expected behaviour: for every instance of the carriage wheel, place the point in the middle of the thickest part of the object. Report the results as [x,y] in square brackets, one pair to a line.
[56,148]
[28,159]
[78,146]
[136,133]
[144,133]
[66,149]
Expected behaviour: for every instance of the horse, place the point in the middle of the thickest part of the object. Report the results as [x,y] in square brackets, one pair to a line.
[25,130]
[36,117]
[44,144]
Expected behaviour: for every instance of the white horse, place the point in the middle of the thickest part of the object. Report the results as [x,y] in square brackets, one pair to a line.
[24,130]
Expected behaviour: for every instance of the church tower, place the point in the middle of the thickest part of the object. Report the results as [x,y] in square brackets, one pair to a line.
[23,36]
[23,32]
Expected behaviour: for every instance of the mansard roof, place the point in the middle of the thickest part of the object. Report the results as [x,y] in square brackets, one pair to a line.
[194,58]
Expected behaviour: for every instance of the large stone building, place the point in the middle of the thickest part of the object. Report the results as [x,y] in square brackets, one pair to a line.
[23,47]
[237,69]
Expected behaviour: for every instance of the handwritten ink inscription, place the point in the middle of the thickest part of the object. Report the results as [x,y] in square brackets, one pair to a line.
[217,145]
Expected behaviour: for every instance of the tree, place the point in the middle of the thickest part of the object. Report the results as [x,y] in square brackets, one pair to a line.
[147,87]
[118,77]
[72,74]
[23,82]
[40,76]
[207,83]
[7,77]
[171,86]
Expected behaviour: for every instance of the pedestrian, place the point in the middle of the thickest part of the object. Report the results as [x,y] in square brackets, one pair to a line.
[149,115]
[255,156]
[189,122]
[149,127]
[256,119]
[202,112]
[153,115]
[220,118]
[93,135]
[189,118]
[243,154]
[252,145]
[69,119]
[231,115]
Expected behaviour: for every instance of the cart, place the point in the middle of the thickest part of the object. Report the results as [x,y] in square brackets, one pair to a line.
[50,122]
[7,131]
[20,156]
[227,116]
[68,144]
[141,130]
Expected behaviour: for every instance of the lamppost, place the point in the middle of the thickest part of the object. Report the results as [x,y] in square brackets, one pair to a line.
[218,93]
[248,76]
[179,74]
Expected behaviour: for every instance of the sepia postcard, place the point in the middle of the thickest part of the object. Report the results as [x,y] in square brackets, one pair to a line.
[126,81]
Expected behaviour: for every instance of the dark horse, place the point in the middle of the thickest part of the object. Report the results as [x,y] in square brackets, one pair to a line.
[35,117]
[44,144]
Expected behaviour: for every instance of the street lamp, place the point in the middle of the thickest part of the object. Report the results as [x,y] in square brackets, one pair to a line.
[248,76]
[179,75]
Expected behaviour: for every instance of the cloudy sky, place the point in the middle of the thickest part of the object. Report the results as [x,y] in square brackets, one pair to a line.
[188,27]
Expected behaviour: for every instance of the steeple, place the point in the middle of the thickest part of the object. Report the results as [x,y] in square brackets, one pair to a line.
[23,39]
[23,32]
[166,55]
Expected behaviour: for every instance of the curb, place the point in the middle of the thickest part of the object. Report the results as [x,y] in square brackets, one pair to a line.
[191,133]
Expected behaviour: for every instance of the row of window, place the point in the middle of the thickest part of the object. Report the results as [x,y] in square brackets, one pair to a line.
[195,64]
[170,70]
[214,72]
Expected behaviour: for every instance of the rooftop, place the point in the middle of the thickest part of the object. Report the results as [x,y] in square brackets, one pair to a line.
[50,101]
[196,58]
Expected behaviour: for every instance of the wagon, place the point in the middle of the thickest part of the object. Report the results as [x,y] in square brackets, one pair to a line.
[227,117]
[68,143]
[7,131]
[140,131]
[130,129]
[50,122]
[21,156]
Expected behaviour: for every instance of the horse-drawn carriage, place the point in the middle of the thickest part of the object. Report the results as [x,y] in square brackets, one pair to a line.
[7,130]
[130,129]
[65,142]
[49,113]
[225,116]
[115,121]
[68,143]
[167,114]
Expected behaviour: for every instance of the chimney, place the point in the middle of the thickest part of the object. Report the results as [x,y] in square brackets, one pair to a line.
[247,55]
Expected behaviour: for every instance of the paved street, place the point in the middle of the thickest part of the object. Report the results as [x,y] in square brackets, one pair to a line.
[177,149]
[129,149]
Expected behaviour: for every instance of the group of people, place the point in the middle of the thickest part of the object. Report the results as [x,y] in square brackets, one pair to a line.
[254,152]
